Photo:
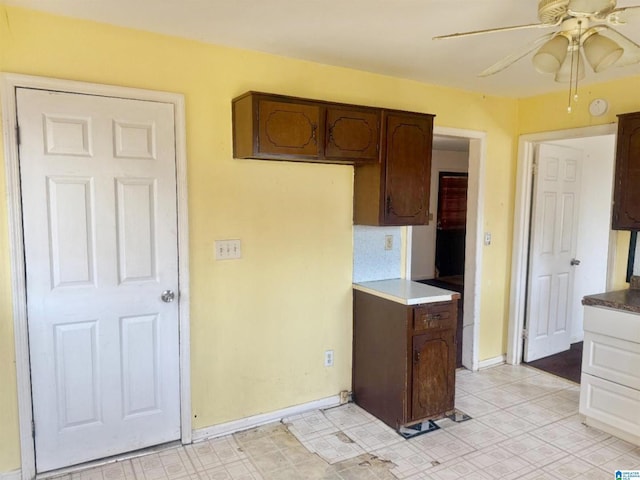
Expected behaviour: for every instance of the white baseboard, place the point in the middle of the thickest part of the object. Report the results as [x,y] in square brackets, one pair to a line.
[14,475]
[262,419]
[492,362]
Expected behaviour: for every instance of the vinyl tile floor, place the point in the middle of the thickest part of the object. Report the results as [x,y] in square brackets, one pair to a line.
[525,425]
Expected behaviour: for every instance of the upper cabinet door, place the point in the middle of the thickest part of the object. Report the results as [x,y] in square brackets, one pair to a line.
[626,194]
[408,140]
[286,128]
[352,134]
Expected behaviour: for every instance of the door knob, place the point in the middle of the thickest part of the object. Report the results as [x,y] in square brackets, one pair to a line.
[168,296]
[575,262]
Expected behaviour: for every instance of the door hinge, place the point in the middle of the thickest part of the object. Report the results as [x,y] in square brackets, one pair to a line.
[525,333]
[416,356]
[18,134]
[33,429]
[534,168]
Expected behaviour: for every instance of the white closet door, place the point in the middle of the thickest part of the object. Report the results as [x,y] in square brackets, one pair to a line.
[99,207]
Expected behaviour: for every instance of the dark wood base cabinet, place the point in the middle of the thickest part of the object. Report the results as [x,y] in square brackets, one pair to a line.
[404,359]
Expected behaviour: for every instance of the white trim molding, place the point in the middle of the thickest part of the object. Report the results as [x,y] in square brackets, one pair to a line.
[522,213]
[9,83]
[14,475]
[492,362]
[262,419]
[474,241]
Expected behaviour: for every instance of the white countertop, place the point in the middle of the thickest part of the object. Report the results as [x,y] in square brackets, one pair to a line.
[405,291]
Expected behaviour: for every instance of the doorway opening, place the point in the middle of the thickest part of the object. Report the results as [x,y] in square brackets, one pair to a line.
[451,225]
[444,253]
[594,248]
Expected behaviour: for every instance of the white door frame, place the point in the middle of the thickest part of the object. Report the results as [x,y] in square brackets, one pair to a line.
[9,83]
[474,242]
[522,214]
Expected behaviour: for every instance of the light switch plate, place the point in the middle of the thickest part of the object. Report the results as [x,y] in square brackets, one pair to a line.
[227,249]
[388,242]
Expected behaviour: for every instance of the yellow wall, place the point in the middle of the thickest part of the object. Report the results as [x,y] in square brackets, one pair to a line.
[259,325]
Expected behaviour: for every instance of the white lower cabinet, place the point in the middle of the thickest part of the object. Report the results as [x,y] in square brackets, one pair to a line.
[610,382]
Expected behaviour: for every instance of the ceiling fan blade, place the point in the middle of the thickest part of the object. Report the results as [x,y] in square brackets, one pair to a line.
[631,53]
[492,30]
[515,56]
[621,16]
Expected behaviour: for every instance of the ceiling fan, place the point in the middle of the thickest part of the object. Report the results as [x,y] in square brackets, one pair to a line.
[584,27]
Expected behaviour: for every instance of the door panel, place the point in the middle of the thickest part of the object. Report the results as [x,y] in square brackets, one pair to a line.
[136,213]
[140,380]
[99,212]
[553,246]
[77,377]
[71,213]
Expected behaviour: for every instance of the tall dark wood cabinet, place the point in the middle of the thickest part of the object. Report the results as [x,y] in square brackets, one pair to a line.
[626,191]
[403,359]
[395,191]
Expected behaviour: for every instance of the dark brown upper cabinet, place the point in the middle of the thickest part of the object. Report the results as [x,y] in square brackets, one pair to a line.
[390,149]
[277,127]
[395,191]
[352,133]
[626,192]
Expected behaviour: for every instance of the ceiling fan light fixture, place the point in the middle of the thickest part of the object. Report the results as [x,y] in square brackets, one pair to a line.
[551,55]
[567,72]
[601,52]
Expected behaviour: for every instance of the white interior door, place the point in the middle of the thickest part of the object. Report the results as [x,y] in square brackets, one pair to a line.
[99,212]
[554,213]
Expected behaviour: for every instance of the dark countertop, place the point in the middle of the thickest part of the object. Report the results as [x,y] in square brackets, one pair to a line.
[628,300]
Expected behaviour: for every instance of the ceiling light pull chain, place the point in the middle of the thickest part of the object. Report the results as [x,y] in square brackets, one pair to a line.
[579,54]
[575,68]
[571,79]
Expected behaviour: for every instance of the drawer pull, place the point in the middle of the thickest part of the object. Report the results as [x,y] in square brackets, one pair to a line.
[434,316]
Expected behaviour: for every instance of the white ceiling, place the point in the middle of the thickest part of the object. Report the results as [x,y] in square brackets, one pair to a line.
[391,37]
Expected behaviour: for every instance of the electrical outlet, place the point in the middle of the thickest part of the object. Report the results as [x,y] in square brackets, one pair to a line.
[328,358]
[388,242]
[227,249]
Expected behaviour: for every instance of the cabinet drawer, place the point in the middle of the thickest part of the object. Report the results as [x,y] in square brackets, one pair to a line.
[438,316]
[612,358]
[610,403]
